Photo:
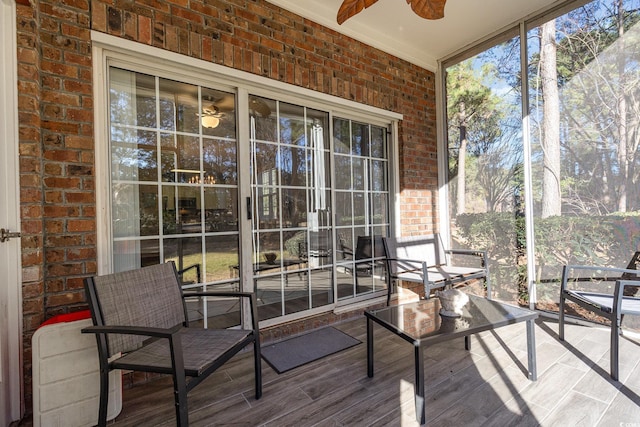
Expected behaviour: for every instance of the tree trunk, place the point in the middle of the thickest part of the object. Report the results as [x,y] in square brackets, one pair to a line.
[623,156]
[462,157]
[551,202]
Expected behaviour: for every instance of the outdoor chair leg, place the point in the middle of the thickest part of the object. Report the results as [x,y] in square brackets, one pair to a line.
[257,367]
[561,318]
[615,342]
[180,397]
[104,397]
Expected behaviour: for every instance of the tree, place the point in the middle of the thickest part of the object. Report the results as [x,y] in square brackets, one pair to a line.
[551,202]
[473,117]
[598,77]
[600,104]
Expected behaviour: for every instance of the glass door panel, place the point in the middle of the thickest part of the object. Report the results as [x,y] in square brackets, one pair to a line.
[362,211]
[174,193]
[292,252]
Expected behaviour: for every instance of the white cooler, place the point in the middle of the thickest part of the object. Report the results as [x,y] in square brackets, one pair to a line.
[66,379]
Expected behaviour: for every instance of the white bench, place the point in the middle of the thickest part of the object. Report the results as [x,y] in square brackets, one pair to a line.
[423,259]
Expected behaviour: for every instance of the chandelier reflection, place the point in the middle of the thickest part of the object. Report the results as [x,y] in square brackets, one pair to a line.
[208,179]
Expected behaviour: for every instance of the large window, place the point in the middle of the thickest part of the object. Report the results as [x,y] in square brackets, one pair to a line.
[486,164]
[585,130]
[569,193]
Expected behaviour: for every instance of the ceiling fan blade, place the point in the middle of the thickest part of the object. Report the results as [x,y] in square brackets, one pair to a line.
[227,103]
[260,107]
[428,9]
[349,8]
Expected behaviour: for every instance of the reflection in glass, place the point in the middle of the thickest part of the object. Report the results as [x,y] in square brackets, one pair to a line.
[186,253]
[359,174]
[341,136]
[379,180]
[378,142]
[362,197]
[292,206]
[221,257]
[136,210]
[380,209]
[190,185]
[179,107]
[294,165]
[292,124]
[221,209]
[132,98]
[181,209]
[265,157]
[220,161]
[342,172]
[359,139]
[263,113]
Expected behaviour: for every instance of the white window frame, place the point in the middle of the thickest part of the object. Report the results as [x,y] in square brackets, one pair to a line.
[109,51]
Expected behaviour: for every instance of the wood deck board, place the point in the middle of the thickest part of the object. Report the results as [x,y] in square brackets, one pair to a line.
[484,387]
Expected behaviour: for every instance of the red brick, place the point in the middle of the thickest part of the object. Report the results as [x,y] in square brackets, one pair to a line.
[80,225]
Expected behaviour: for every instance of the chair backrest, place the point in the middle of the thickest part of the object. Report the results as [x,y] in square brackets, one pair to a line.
[320,243]
[368,247]
[150,297]
[427,248]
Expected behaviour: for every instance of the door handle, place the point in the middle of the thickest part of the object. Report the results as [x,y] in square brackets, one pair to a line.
[6,235]
[249,208]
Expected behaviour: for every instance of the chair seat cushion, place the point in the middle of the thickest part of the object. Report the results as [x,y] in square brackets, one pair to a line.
[201,348]
[604,302]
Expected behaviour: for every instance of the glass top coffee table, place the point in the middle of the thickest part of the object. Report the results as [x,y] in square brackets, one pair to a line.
[420,323]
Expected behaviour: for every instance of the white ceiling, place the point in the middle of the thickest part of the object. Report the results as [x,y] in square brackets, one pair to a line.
[391,25]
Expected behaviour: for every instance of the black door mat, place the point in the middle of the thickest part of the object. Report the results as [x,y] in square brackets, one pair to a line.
[293,352]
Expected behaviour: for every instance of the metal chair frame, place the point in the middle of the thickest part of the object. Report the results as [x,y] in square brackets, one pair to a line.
[184,377]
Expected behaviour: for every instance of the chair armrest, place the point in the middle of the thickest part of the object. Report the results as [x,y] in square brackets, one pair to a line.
[417,261]
[603,274]
[253,302]
[619,295]
[191,267]
[132,330]
[423,264]
[219,294]
[475,252]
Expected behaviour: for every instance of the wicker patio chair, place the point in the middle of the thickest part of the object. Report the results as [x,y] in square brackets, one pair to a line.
[141,314]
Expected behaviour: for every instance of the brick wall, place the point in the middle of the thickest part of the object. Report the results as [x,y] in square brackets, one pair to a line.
[56,114]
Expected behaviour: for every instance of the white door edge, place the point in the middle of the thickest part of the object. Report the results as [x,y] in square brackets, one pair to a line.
[10,294]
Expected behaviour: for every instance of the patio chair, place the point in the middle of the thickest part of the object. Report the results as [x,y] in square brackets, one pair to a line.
[141,314]
[423,259]
[587,286]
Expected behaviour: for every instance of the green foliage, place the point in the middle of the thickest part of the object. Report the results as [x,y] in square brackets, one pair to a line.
[607,240]
[292,245]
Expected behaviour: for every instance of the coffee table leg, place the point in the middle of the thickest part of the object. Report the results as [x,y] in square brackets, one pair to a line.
[531,349]
[369,348]
[420,406]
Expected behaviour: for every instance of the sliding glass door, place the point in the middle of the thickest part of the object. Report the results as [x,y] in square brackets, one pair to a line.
[174,195]
[292,238]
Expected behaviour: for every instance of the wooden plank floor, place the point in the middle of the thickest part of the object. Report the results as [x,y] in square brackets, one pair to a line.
[482,387]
